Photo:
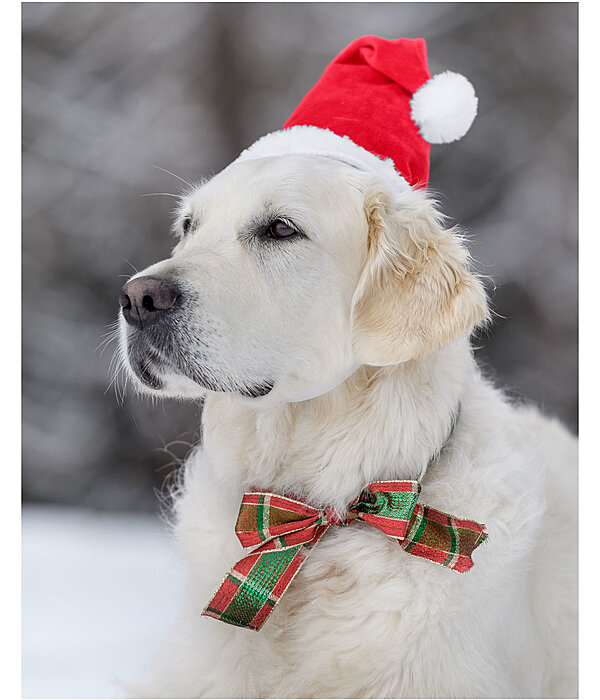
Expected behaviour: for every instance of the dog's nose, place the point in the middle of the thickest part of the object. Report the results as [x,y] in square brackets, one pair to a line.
[145,299]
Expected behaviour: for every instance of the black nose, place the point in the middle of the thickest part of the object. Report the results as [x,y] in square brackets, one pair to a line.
[144,300]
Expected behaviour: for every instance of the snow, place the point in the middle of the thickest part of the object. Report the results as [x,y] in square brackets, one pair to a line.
[98,591]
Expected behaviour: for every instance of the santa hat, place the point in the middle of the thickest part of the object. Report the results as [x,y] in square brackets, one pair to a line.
[377,108]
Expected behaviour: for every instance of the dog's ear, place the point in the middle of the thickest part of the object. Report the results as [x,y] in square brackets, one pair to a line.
[415,294]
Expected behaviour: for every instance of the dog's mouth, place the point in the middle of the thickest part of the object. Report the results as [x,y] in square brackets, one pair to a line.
[146,365]
[156,373]
[257,390]
[146,374]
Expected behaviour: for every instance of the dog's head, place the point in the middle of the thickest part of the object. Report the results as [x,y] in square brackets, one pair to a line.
[289,273]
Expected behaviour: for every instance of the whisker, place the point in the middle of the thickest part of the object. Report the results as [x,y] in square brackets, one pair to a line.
[185,182]
[120,377]
[103,345]
[108,337]
[156,194]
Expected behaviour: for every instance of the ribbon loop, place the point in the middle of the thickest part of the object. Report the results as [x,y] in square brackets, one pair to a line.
[264,516]
[283,531]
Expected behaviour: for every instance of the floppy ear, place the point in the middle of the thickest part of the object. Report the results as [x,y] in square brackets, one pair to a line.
[415,294]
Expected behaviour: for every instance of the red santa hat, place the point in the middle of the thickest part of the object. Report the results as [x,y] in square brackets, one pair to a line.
[377,108]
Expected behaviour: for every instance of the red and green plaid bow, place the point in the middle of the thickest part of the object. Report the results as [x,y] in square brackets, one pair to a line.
[283,531]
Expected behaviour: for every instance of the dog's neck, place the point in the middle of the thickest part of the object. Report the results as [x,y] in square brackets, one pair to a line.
[380,424]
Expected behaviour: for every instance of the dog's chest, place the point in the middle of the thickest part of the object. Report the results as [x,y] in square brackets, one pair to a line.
[359,606]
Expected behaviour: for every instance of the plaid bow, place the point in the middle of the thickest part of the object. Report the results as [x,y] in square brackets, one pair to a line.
[283,532]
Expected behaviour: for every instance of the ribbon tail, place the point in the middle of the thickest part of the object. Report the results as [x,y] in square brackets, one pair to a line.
[442,538]
[254,586]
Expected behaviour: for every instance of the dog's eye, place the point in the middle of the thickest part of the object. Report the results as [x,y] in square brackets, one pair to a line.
[187,223]
[281,229]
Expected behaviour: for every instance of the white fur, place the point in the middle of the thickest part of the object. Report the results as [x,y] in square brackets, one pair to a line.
[362,618]
[312,140]
[444,107]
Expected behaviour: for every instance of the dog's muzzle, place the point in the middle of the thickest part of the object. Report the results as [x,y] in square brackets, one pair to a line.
[153,308]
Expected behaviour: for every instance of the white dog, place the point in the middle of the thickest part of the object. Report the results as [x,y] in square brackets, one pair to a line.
[324,316]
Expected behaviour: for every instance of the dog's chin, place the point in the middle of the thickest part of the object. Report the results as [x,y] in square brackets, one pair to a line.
[157,380]
[168,384]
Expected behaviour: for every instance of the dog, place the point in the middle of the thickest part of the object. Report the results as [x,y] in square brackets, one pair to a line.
[323,317]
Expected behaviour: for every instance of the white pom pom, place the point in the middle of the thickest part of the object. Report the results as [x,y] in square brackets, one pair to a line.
[444,107]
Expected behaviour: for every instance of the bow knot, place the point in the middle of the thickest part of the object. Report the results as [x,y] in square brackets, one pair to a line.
[283,531]
[334,519]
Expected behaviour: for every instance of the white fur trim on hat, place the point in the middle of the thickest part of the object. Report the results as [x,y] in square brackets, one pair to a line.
[312,140]
[444,107]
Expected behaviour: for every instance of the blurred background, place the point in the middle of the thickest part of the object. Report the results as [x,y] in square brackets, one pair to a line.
[111,90]
[115,94]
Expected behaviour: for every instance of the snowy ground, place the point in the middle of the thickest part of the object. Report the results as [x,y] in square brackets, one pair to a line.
[98,591]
